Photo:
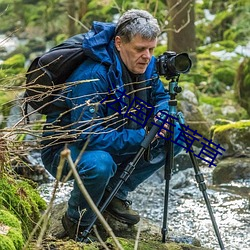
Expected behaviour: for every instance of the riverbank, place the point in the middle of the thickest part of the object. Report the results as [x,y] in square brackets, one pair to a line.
[188,215]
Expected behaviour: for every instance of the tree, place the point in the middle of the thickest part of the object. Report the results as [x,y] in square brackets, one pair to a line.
[181,26]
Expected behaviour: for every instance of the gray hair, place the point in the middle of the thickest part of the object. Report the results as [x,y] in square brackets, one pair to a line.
[137,22]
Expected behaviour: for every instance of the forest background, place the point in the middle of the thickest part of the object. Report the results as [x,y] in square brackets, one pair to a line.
[214,33]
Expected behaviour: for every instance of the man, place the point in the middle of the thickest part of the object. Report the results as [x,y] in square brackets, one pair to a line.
[104,114]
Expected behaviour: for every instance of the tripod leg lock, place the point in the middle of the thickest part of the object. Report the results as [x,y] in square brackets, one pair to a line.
[127,172]
[200,180]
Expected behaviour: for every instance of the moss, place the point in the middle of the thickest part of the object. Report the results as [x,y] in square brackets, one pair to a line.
[9,219]
[214,101]
[16,237]
[128,244]
[21,199]
[13,239]
[13,71]
[233,137]
[229,45]
[225,75]
[236,125]
[6,96]
[6,243]
[220,103]
[219,131]
[16,61]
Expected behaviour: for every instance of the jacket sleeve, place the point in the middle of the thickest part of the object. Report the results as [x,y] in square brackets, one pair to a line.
[89,119]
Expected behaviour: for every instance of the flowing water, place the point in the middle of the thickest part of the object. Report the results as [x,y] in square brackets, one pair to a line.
[187,212]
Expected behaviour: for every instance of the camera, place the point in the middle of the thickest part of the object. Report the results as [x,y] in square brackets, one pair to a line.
[171,65]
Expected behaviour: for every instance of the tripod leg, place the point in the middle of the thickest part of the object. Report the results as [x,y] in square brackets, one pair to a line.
[168,173]
[125,175]
[202,186]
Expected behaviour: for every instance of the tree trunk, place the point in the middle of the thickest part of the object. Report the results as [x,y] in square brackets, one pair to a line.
[71,6]
[181,27]
[83,7]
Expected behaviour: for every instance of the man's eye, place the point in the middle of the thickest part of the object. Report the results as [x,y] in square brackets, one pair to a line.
[139,50]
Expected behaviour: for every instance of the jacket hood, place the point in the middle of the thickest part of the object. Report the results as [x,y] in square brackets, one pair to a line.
[98,43]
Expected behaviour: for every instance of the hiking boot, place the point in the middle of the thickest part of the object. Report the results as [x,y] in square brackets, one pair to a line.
[75,231]
[121,211]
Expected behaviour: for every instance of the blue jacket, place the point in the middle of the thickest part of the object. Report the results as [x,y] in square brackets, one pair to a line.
[87,118]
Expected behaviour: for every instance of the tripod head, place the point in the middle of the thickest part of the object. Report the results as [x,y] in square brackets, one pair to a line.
[174,89]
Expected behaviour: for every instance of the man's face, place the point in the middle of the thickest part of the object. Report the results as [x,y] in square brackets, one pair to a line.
[137,53]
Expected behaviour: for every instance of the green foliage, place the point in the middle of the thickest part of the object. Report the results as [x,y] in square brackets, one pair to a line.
[229,23]
[216,67]
[214,101]
[224,75]
[12,67]
[17,61]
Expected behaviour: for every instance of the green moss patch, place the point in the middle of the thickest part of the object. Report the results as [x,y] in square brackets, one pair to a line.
[241,125]
[128,244]
[10,231]
[22,200]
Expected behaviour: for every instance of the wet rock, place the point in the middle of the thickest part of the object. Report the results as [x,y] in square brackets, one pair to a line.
[233,137]
[195,119]
[149,233]
[181,179]
[231,169]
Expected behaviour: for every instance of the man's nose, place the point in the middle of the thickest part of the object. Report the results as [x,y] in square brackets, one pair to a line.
[146,54]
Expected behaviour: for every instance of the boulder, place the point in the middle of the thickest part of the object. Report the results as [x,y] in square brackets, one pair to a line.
[234,137]
[234,164]
[231,169]
[149,238]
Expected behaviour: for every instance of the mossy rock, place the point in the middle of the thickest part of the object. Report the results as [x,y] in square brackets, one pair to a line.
[128,244]
[242,85]
[150,235]
[11,237]
[21,199]
[233,137]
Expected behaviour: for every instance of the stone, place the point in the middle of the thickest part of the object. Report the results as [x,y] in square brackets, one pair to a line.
[231,169]
[233,137]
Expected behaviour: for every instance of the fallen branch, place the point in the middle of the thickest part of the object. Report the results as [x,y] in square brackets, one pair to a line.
[65,154]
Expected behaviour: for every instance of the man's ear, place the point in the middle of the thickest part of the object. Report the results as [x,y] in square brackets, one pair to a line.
[118,42]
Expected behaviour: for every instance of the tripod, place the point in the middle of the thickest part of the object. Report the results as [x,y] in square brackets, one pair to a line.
[169,163]
[173,90]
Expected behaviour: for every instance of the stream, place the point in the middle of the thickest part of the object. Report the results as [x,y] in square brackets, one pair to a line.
[187,212]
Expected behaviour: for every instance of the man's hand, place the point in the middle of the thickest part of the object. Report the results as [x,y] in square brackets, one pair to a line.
[162,132]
